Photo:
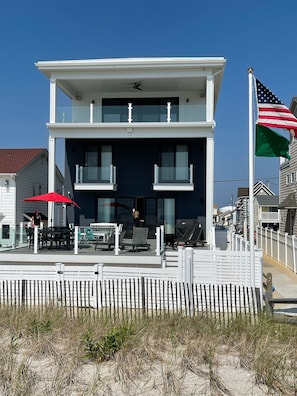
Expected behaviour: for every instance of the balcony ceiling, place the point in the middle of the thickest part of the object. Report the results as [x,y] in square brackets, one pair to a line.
[79,86]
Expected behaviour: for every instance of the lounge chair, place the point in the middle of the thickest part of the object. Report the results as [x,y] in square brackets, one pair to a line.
[110,242]
[139,239]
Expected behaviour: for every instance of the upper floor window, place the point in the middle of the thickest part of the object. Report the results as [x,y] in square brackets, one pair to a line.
[98,159]
[291,178]
[143,109]
[174,162]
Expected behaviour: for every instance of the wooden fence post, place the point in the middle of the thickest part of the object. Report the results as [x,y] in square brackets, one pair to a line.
[293,253]
[268,294]
[24,290]
[188,277]
[60,279]
[278,243]
[286,249]
[143,302]
[180,255]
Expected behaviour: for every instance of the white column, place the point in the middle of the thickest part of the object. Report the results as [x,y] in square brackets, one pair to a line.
[209,186]
[130,108]
[209,98]
[116,241]
[53,93]
[76,240]
[52,148]
[168,111]
[158,241]
[36,230]
[51,176]
[91,112]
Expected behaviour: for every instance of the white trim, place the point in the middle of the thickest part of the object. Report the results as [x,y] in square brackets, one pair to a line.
[209,186]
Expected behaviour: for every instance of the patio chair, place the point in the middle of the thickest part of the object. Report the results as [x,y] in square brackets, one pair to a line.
[110,242]
[139,239]
[89,234]
[85,236]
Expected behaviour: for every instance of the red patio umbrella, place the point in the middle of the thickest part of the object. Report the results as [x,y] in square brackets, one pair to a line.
[52,197]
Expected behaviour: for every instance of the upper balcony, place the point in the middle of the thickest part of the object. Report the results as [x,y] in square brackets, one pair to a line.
[270,217]
[97,88]
[131,113]
[166,178]
[95,178]
[133,97]
[173,178]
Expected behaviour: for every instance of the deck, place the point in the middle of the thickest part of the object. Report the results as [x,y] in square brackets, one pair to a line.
[86,254]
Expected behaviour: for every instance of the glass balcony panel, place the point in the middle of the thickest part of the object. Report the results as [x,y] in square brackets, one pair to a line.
[144,113]
[168,174]
[92,174]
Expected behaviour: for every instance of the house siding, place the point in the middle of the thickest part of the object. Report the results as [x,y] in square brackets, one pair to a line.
[8,201]
[136,133]
[287,169]
[32,180]
[135,173]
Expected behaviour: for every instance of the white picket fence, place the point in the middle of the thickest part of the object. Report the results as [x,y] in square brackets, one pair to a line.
[181,265]
[280,246]
[188,280]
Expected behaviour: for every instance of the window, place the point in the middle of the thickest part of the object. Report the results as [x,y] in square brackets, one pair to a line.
[115,210]
[98,160]
[169,215]
[174,163]
[5,231]
[289,178]
[143,109]
[154,212]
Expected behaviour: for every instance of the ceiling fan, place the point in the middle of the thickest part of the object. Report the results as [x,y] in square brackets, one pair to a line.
[137,85]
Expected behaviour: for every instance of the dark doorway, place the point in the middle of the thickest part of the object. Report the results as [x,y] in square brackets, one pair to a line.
[140,206]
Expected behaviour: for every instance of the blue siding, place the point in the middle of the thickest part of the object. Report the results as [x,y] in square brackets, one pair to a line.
[134,161]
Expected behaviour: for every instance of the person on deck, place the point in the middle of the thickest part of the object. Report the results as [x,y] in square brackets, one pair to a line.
[36,219]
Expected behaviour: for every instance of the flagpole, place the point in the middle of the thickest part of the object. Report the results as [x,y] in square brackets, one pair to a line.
[251,177]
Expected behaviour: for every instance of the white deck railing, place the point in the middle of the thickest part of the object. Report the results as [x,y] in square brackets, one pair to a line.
[280,246]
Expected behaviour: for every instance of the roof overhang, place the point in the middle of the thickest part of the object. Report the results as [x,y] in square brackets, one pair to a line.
[78,77]
[289,202]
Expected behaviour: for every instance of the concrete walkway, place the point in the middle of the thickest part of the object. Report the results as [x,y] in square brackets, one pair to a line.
[284,282]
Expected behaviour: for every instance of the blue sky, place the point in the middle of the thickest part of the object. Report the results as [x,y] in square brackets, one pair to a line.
[257,33]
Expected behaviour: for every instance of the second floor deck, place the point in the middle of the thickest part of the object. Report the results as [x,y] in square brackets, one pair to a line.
[105,179]
[131,113]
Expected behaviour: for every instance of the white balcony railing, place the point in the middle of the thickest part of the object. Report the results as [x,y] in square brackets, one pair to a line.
[173,178]
[93,113]
[269,217]
[90,175]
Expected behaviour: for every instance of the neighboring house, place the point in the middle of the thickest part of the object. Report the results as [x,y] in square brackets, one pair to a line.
[266,207]
[139,133]
[215,216]
[227,215]
[266,211]
[288,185]
[23,173]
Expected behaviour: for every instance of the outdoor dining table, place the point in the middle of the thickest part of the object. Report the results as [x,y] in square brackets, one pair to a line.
[58,237]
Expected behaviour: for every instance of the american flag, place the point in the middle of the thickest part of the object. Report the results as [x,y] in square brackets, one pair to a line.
[272,112]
